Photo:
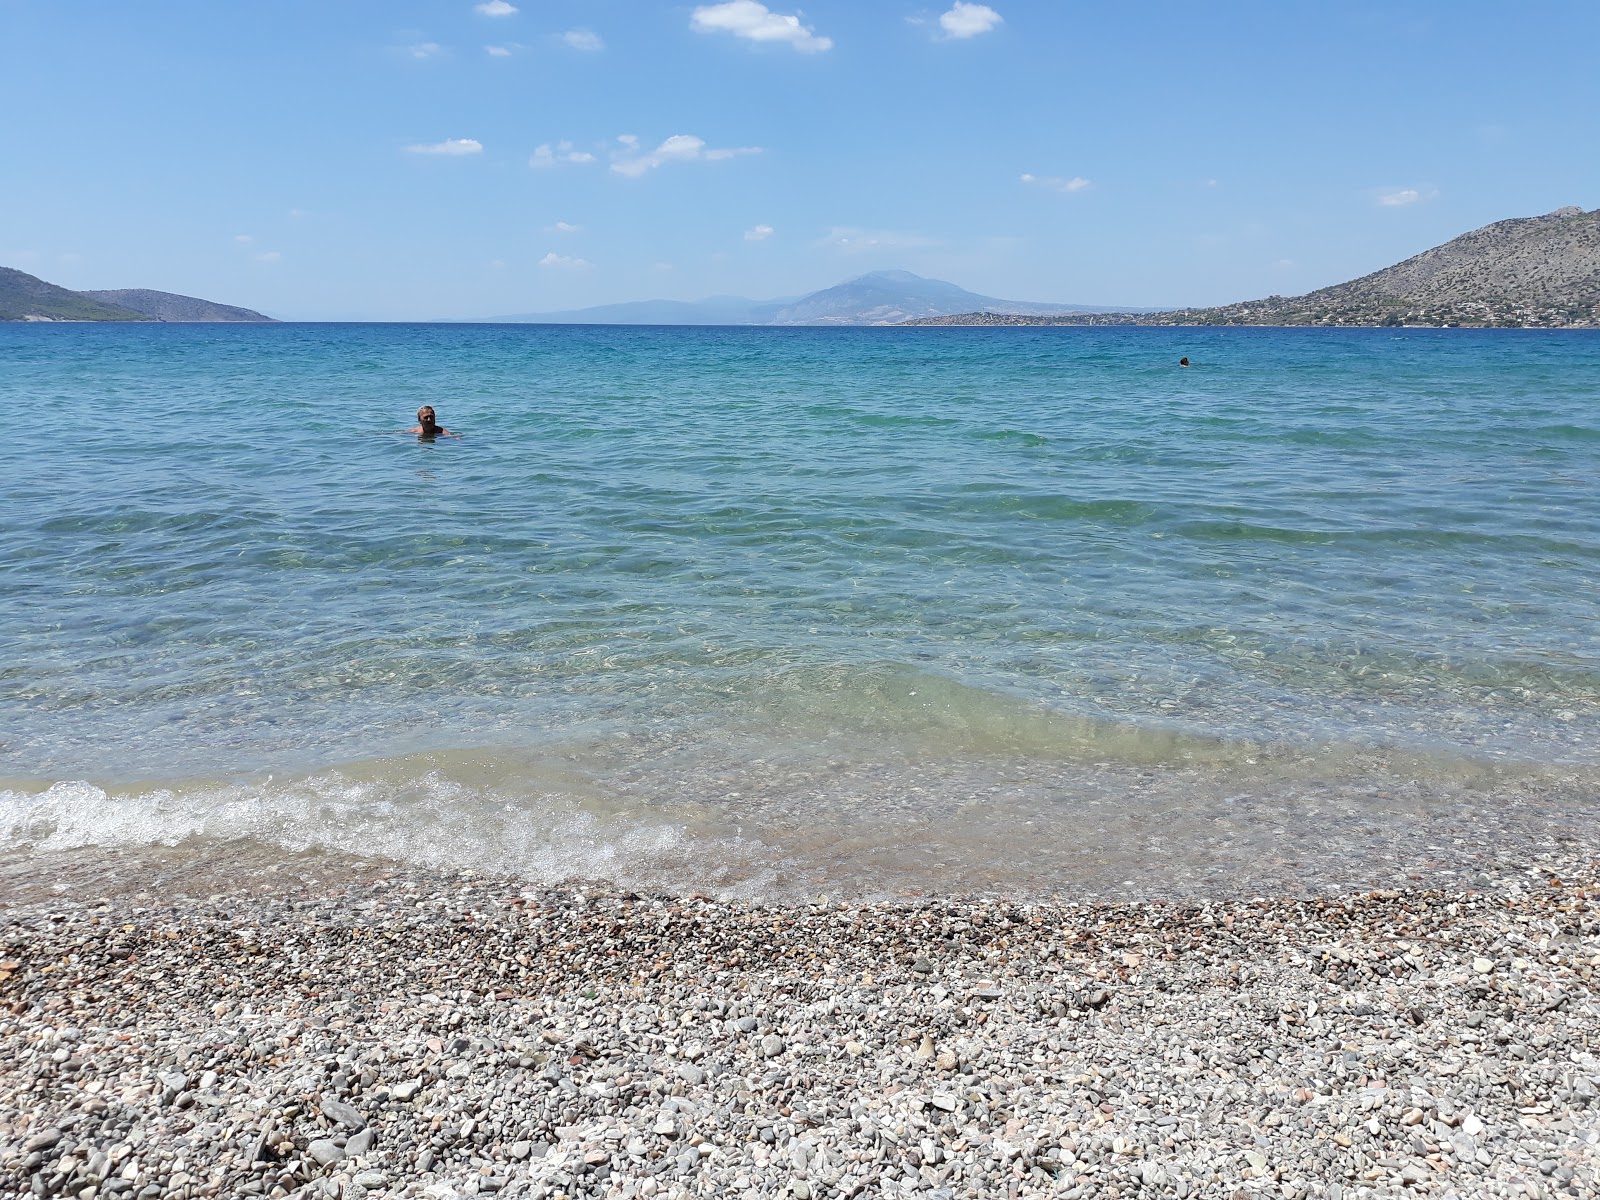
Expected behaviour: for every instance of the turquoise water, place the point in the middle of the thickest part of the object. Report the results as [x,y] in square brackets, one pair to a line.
[786,610]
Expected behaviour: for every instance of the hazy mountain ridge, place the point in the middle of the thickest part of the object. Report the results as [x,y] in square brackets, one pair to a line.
[1525,272]
[25,297]
[877,298]
[169,306]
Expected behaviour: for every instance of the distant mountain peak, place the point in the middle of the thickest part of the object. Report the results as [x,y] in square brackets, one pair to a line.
[893,277]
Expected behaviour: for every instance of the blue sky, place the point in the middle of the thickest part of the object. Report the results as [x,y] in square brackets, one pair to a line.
[401,159]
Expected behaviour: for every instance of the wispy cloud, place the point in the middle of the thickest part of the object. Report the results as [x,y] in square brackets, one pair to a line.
[244,239]
[850,240]
[424,50]
[1058,183]
[759,234]
[269,256]
[497,51]
[562,227]
[758,23]
[583,39]
[450,146]
[968,20]
[1401,197]
[547,156]
[495,8]
[562,262]
[680,147]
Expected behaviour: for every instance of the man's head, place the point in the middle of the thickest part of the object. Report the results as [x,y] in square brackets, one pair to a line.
[425,416]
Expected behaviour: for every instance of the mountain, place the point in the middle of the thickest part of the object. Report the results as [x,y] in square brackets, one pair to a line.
[893,297]
[25,297]
[168,306]
[714,310]
[879,298]
[1537,272]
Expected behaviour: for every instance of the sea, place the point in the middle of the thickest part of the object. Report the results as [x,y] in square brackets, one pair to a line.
[786,612]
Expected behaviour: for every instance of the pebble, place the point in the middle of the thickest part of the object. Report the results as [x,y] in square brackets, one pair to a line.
[669,1048]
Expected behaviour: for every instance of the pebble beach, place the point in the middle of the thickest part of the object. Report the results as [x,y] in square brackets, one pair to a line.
[404,1033]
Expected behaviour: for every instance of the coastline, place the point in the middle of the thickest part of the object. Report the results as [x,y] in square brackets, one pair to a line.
[433,1034]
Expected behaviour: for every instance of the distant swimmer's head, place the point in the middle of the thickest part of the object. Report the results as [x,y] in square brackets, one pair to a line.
[1183,362]
[428,422]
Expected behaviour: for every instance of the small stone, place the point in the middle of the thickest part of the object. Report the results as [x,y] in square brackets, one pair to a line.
[747,1024]
[372,1179]
[405,1091]
[342,1114]
[1483,965]
[690,1073]
[43,1140]
[173,1081]
[1471,1126]
[1256,1159]
[521,1150]
[772,1045]
[922,967]
[944,1101]
[665,1127]
[361,1143]
[324,1152]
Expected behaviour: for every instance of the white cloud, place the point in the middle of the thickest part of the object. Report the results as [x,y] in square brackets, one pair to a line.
[425,50]
[269,256]
[629,140]
[582,39]
[497,51]
[546,156]
[554,261]
[759,234]
[680,147]
[758,23]
[450,146]
[1404,196]
[562,227]
[1057,183]
[849,240]
[968,20]
[495,8]
[244,239]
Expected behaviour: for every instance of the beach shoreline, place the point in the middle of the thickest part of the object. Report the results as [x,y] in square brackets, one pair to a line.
[414,1033]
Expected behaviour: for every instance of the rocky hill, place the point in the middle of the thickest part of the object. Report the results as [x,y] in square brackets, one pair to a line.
[25,297]
[169,306]
[1537,272]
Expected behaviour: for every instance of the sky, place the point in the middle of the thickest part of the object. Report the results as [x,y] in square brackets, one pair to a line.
[440,159]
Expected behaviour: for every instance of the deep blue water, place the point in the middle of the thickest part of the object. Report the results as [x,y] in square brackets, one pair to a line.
[795,605]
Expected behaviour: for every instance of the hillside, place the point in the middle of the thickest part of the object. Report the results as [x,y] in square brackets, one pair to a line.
[169,306]
[1536,272]
[25,297]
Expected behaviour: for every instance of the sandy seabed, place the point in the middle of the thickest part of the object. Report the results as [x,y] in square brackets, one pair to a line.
[389,1032]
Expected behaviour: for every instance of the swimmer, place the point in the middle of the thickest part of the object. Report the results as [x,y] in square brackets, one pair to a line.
[1183,362]
[428,426]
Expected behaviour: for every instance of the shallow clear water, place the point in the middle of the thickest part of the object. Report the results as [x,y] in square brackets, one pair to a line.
[780,610]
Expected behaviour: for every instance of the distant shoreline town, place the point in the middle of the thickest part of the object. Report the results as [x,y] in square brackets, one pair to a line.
[1526,272]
